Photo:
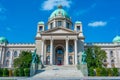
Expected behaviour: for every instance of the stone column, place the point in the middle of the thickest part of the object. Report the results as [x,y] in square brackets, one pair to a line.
[67,51]
[51,51]
[54,24]
[11,54]
[75,50]
[42,52]
[45,52]
[64,23]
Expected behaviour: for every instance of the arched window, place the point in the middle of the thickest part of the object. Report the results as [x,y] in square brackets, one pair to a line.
[70,48]
[48,48]
[78,28]
[59,51]
[15,54]
[40,28]
[112,61]
[7,63]
[111,53]
[8,54]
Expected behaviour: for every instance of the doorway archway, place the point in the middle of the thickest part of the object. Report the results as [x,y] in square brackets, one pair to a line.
[59,55]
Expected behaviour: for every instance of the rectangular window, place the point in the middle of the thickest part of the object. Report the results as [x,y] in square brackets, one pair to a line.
[59,23]
[78,28]
[40,28]
[67,25]
[51,25]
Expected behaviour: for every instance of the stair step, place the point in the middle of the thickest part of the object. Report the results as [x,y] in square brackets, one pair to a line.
[58,71]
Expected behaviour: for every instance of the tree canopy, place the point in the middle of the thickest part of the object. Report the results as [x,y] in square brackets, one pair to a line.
[24,60]
[95,57]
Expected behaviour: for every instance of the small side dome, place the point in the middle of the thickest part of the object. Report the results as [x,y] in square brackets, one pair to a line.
[59,12]
[3,40]
[78,22]
[116,39]
[41,22]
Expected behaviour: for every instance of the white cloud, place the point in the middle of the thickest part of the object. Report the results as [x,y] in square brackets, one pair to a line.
[97,24]
[50,4]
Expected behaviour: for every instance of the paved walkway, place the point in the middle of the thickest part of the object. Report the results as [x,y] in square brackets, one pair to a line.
[55,71]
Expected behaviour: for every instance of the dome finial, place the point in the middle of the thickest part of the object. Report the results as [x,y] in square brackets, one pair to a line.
[59,6]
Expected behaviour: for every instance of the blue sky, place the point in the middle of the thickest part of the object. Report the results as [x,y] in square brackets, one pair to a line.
[19,18]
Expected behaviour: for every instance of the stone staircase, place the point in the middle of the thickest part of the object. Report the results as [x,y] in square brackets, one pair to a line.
[55,71]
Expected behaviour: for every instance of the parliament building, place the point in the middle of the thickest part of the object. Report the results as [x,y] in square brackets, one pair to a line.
[59,44]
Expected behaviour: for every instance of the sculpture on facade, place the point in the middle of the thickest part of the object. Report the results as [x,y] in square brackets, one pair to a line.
[84,57]
[34,57]
[33,67]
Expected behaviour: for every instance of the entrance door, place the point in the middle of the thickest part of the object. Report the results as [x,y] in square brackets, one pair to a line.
[59,56]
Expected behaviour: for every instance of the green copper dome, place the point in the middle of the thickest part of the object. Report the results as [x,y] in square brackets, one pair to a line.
[58,12]
[116,39]
[3,40]
[41,22]
[78,22]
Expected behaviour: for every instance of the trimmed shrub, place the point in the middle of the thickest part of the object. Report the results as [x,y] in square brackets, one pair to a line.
[10,73]
[1,72]
[5,72]
[27,71]
[109,71]
[15,72]
[91,72]
[115,71]
[104,72]
[98,72]
[21,72]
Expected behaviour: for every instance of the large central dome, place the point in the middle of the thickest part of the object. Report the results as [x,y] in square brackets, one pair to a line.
[59,12]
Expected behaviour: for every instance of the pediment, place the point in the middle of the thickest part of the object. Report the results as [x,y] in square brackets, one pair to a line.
[59,31]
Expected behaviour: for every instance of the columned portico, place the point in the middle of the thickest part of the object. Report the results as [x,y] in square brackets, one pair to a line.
[60,53]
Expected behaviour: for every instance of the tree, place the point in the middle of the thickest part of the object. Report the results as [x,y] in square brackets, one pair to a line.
[95,57]
[24,60]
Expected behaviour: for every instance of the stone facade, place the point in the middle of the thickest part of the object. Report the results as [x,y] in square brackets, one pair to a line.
[59,44]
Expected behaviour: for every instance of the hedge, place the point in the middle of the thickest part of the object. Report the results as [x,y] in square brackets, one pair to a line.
[27,72]
[5,72]
[91,72]
[21,72]
[15,72]
[1,72]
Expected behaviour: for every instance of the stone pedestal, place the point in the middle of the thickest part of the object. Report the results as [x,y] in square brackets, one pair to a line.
[84,69]
[39,66]
[32,69]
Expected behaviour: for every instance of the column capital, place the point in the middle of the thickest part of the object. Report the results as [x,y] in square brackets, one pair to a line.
[67,39]
[43,39]
[75,39]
